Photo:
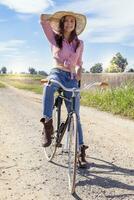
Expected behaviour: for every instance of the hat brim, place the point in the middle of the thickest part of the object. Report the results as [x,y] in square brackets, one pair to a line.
[55,18]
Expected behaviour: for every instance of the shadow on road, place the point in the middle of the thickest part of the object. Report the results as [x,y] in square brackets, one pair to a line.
[106,170]
[100,173]
[110,168]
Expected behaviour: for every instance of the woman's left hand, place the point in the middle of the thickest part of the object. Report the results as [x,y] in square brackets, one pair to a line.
[78,71]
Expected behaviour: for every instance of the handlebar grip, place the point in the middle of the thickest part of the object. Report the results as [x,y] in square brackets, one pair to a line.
[79,83]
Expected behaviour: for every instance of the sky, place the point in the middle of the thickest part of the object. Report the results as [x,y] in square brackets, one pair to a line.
[109,29]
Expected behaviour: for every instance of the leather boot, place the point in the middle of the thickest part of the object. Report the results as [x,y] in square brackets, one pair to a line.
[82,157]
[47,132]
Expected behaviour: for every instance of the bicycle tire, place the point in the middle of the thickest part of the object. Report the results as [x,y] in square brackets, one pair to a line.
[51,150]
[72,152]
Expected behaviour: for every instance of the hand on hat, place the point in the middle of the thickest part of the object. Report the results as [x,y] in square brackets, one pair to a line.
[48,17]
[44,17]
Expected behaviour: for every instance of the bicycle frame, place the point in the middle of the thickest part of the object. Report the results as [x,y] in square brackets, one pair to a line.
[72,101]
[61,128]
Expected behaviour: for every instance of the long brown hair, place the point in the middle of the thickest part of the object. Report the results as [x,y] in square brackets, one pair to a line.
[59,37]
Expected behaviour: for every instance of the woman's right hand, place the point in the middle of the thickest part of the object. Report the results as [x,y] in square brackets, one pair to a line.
[44,17]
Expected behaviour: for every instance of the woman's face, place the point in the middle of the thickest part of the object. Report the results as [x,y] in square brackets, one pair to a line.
[69,24]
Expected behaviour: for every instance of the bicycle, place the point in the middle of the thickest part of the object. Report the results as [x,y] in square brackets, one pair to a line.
[69,126]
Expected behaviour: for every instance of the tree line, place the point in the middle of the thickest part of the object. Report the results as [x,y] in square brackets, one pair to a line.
[117,64]
[3,70]
[31,70]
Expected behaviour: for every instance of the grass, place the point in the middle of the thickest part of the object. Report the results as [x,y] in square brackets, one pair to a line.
[25,86]
[117,101]
[24,81]
[2,85]
[19,76]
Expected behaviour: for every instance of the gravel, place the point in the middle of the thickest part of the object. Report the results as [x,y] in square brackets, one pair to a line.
[26,175]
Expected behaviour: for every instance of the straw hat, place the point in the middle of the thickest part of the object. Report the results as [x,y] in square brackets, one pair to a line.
[55,18]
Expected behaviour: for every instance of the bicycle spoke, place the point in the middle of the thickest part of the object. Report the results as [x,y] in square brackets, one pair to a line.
[72,152]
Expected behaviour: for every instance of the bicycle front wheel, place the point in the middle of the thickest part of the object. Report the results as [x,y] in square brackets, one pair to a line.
[72,152]
[51,150]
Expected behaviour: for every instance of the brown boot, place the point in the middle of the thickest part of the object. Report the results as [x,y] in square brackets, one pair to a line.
[82,157]
[47,132]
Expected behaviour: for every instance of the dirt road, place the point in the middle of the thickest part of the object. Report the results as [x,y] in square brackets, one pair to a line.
[26,175]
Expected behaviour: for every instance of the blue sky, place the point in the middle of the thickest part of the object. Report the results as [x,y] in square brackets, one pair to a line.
[110,29]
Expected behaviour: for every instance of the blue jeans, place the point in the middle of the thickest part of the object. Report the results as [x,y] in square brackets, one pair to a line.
[48,96]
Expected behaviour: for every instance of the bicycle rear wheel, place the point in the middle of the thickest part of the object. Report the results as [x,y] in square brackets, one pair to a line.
[72,152]
[51,150]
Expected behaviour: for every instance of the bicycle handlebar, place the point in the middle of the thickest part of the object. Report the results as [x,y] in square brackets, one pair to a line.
[65,88]
[73,89]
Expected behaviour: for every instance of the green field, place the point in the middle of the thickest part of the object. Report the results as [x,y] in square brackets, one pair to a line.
[24,81]
[117,101]
[2,85]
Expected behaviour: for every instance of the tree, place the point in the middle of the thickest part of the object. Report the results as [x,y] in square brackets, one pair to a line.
[119,61]
[112,68]
[97,68]
[42,73]
[131,70]
[3,70]
[84,70]
[32,70]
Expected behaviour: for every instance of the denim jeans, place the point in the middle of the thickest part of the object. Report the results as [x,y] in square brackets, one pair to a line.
[48,95]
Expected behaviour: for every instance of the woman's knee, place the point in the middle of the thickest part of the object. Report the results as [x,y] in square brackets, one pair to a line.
[49,88]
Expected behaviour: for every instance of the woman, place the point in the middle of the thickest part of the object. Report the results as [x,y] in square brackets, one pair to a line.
[62,30]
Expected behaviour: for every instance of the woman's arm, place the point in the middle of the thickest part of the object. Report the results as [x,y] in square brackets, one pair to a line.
[44,20]
[80,52]
[79,63]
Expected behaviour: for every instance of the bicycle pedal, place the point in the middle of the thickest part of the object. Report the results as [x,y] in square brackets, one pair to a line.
[59,145]
[61,128]
[65,151]
[81,165]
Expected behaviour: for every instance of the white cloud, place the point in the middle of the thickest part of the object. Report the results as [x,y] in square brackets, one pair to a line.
[24,17]
[16,56]
[30,6]
[11,45]
[129,44]
[112,24]
[107,21]
[21,63]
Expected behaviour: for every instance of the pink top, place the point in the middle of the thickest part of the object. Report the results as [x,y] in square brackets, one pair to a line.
[66,56]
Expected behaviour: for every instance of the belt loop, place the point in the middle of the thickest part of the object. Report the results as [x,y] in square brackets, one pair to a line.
[72,76]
